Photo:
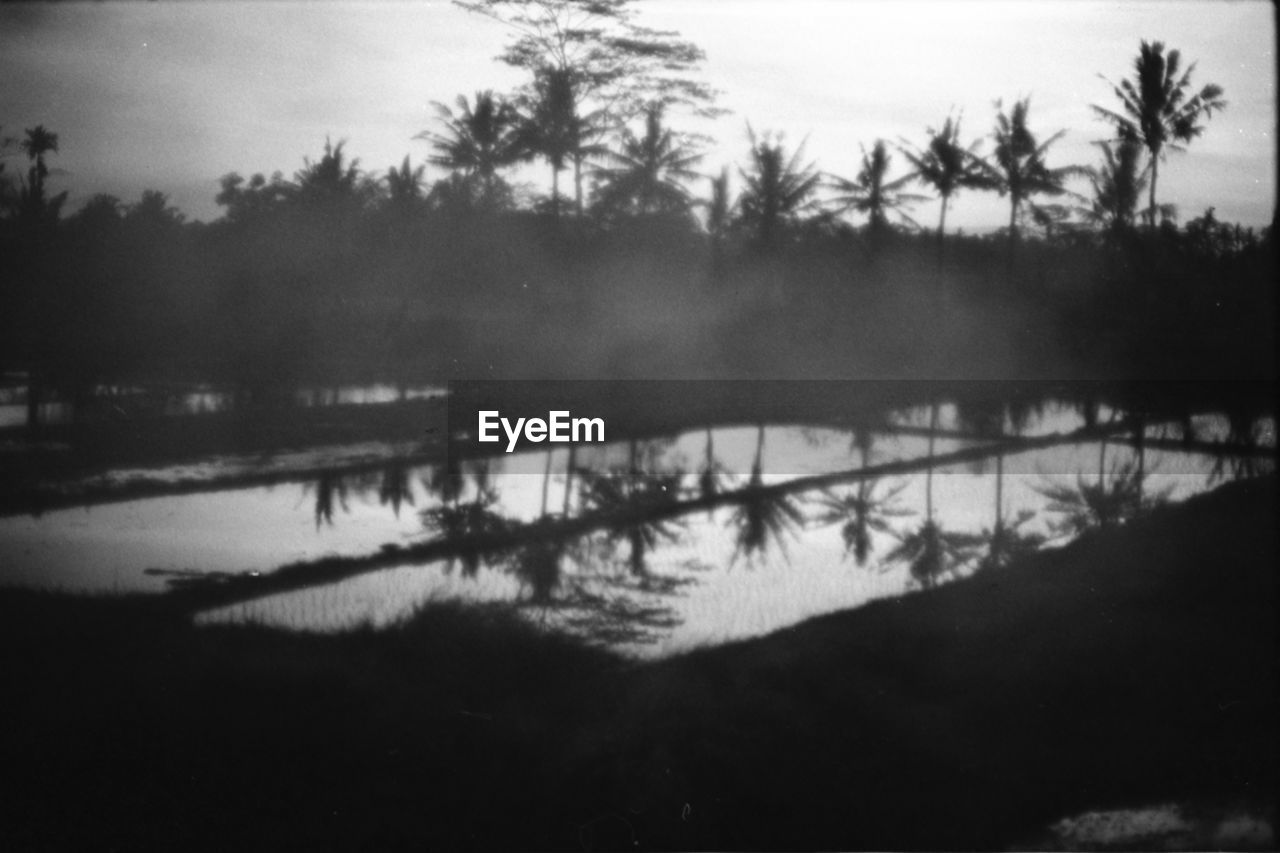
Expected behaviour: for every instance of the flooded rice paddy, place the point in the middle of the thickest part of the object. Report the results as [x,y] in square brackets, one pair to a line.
[690,578]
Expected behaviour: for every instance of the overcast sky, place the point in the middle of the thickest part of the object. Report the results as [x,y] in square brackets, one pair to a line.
[172,95]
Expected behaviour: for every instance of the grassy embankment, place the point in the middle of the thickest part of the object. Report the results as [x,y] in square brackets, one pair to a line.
[1134,666]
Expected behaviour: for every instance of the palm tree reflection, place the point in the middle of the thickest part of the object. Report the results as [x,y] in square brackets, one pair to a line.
[764,516]
[618,490]
[468,524]
[395,488]
[1110,501]
[1007,542]
[929,551]
[328,487]
[862,512]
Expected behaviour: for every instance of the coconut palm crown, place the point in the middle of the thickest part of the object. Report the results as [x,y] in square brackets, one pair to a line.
[1019,170]
[1158,108]
[871,194]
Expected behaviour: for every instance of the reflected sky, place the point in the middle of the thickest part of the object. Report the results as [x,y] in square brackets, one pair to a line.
[107,548]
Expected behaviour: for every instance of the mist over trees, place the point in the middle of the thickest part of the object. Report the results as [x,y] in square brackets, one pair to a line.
[637,262]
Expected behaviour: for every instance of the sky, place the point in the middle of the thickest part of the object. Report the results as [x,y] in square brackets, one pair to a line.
[172,95]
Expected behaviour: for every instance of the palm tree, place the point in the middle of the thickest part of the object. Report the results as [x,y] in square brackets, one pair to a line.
[1117,185]
[1158,110]
[332,183]
[869,193]
[947,166]
[553,128]
[549,127]
[404,185]
[718,219]
[33,206]
[1020,170]
[777,189]
[38,142]
[647,175]
[478,140]
[718,206]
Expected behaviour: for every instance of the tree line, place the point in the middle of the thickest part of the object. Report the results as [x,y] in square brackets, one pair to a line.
[340,272]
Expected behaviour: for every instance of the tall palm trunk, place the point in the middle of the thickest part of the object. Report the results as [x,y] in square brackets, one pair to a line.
[1151,190]
[928,481]
[577,184]
[568,477]
[1014,233]
[546,481]
[999,493]
[942,245]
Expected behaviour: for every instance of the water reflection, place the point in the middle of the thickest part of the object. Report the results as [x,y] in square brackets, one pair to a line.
[763,515]
[643,540]
[114,402]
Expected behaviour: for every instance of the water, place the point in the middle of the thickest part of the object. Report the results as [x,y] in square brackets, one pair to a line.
[1162,826]
[198,400]
[725,592]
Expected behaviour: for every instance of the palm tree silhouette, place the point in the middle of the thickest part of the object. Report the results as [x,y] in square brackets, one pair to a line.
[777,190]
[38,142]
[549,128]
[1117,185]
[718,219]
[404,185]
[333,185]
[947,166]
[871,194]
[554,128]
[1020,170]
[33,206]
[647,175]
[1158,109]
[478,140]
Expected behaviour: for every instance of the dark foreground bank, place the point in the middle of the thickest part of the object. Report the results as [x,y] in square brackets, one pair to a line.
[1133,667]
